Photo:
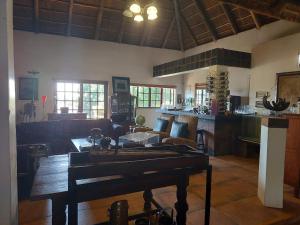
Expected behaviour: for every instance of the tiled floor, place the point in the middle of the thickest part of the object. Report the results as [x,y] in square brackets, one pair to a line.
[234,200]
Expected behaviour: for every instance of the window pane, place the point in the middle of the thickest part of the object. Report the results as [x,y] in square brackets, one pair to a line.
[60,86]
[86,88]
[69,104]
[94,96]
[94,105]
[76,87]
[75,106]
[68,96]
[101,97]
[100,113]
[100,105]
[100,88]
[60,95]
[68,86]
[94,87]
[76,96]
[59,105]
[86,105]
[86,97]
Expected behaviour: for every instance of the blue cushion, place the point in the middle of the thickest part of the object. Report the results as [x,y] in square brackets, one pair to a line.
[179,129]
[160,125]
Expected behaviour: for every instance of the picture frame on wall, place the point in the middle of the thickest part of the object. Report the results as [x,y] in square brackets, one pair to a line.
[121,85]
[28,88]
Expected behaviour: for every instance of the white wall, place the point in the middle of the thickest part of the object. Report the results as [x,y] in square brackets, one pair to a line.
[239,81]
[269,57]
[276,56]
[58,57]
[8,168]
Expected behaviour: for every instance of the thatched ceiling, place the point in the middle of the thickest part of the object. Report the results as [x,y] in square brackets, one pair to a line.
[192,23]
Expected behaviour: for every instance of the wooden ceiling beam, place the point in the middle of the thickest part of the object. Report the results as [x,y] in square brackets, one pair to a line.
[230,18]
[179,29]
[122,28]
[259,7]
[69,27]
[99,20]
[189,29]
[255,20]
[36,16]
[167,35]
[145,33]
[206,20]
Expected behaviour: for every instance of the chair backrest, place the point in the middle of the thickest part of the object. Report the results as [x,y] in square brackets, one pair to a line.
[192,122]
[170,118]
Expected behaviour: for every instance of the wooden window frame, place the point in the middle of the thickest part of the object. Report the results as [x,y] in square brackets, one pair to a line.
[81,82]
[199,86]
[149,94]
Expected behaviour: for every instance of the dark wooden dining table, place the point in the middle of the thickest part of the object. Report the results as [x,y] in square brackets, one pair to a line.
[51,182]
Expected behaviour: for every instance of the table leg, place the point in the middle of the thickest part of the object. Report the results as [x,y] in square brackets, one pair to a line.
[58,211]
[181,205]
[208,195]
[148,199]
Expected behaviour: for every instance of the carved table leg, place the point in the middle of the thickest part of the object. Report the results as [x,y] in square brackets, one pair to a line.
[148,199]
[208,195]
[58,211]
[181,205]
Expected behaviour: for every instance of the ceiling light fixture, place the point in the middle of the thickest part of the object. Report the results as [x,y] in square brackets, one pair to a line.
[138,18]
[151,10]
[138,12]
[135,8]
[152,16]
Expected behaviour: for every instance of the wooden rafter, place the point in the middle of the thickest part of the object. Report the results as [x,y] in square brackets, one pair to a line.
[36,16]
[189,29]
[99,20]
[255,20]
[70,17]
[179,29]
[206,20]
[167,35]
[261,8]
[145,33]
[229,17]
[122,27]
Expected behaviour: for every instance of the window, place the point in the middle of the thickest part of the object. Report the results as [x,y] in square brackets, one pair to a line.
[87,97]
[153,96]
[201,94]
[67,95]
[93,100]
[169,96]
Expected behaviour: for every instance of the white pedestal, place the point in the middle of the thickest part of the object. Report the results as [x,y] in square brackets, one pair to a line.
[271,161]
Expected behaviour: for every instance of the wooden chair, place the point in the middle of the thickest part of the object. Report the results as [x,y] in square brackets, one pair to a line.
[192,122]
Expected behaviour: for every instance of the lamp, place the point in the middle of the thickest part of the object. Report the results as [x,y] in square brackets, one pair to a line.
[135,8]
[152,16]
[138,18]
[138,12]
[151,10]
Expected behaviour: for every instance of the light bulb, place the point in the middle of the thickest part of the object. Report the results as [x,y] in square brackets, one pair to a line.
[138,18]
[151,10]
[152,16]
[128,13]
[135,8]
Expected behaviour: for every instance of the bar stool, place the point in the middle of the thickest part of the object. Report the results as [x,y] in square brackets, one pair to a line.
[200,141]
